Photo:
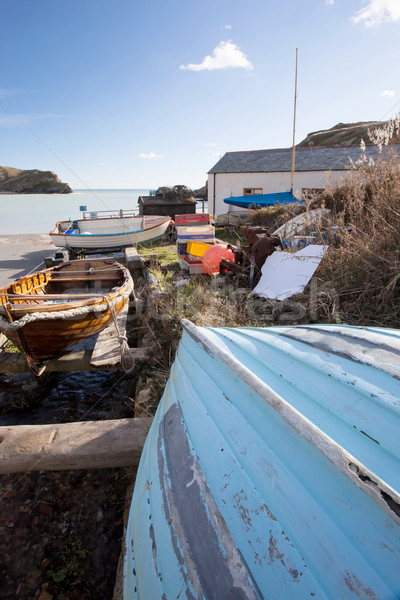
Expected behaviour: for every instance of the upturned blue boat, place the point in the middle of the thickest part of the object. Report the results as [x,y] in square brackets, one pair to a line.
[257,201]
[272,469]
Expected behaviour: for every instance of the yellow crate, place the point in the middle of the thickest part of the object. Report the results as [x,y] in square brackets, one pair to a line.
[197,248]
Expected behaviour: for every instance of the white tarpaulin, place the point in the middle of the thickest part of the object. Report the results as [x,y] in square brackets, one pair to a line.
[284,274]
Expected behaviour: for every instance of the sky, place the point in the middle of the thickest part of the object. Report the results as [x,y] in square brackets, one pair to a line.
[131,94]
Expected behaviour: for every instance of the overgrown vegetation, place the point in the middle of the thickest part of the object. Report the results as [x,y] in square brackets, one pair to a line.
[358,281]
[273,217]
[364,265]
[71,562]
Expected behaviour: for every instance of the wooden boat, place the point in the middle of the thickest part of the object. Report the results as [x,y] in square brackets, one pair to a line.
[272,468]
[307,219]
[108,230]
[49,311]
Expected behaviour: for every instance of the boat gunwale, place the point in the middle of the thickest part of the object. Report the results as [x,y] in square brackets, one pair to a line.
[355,470]
[38,301]
[56,230]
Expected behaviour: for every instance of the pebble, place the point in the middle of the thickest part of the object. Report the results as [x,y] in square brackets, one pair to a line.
[45,596]
[45,509]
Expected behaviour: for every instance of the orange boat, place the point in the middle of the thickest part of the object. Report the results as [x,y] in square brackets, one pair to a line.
[49,311]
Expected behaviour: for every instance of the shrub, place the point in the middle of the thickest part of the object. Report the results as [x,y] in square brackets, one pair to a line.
[273,217]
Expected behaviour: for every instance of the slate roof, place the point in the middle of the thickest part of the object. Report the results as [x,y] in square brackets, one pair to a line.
[306,159]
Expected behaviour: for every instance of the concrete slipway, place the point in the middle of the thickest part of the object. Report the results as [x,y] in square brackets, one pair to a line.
[272,468]
[21,254]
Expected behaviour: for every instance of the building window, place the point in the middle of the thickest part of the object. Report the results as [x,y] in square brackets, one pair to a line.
[252,191]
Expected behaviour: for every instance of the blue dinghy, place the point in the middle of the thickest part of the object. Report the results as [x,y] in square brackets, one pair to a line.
[272,469]
[262,200]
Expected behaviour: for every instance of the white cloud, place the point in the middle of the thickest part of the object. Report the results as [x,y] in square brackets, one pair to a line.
[224,56]
[227,26]
[329,2]
[378,11]
[150,155]
[387,93]
[210,144]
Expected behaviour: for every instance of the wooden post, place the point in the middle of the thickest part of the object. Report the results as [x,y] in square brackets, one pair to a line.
[72,360]
[83,445]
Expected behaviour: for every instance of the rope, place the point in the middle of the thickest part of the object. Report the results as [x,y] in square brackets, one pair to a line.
[127,361]
[62,314]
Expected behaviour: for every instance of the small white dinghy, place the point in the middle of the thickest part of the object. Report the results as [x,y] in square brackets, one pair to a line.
[109,230]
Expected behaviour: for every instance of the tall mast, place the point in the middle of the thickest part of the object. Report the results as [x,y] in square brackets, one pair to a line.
[294,123]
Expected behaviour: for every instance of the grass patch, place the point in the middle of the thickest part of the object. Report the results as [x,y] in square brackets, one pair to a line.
[165,252]
[9,347]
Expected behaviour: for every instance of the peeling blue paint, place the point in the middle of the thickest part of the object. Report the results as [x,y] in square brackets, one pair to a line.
[272,468]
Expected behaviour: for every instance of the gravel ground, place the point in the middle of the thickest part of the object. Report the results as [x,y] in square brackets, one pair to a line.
[61,532]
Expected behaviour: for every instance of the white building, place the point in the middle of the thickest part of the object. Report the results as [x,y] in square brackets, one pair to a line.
[269,171]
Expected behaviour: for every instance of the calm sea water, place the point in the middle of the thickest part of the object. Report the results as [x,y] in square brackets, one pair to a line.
[38,213]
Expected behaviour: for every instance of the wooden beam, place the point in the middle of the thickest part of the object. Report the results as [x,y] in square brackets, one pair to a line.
[107,350]
[132,259]
[83,445]
[73,360]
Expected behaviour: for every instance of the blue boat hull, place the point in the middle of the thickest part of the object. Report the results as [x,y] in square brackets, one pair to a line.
[271,469]
[261,200]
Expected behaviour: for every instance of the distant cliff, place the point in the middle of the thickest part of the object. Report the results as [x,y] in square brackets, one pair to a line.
[343,134]
[18,181]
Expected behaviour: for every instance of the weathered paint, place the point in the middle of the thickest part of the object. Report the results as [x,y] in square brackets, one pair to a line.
[272,468]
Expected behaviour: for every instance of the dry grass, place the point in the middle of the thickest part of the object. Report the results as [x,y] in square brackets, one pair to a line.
[364,268]
[273,217]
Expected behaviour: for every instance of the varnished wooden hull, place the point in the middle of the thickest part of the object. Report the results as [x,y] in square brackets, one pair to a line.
[62,306]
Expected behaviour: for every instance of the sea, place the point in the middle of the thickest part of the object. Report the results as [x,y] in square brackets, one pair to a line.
[38,213]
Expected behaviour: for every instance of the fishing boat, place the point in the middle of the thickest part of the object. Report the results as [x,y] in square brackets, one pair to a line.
[272,468]
[47,312]
[107,230]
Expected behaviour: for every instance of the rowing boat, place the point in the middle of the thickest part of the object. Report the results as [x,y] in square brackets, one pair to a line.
[272,468]
[108,230]
[47,312]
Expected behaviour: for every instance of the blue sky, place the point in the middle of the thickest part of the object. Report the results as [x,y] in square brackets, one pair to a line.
[129,94]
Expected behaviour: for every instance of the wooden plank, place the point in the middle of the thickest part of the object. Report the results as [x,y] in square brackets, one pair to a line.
[87,278]
[83,445]
[107,350]
[132,259]
[73,360]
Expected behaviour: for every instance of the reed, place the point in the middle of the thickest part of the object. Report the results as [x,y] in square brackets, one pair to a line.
[363,260]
